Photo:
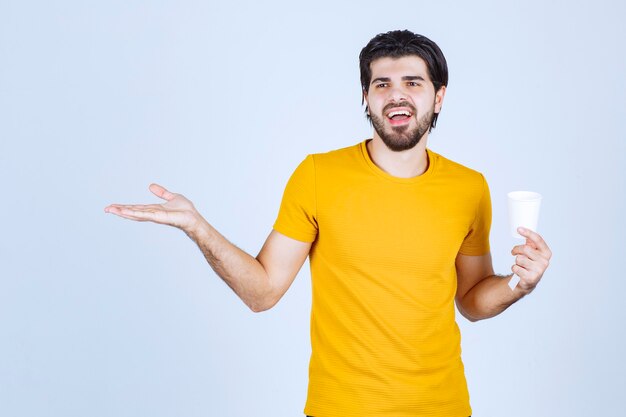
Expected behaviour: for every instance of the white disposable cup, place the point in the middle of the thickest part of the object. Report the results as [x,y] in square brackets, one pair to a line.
[523,211]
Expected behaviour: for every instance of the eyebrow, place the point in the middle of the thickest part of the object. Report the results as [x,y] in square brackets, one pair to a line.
[405,78]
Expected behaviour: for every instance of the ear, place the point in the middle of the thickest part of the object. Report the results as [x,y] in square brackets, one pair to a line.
[439,95]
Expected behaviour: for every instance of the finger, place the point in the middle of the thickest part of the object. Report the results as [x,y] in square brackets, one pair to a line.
[538,261]
[113,208]
[517,249]
[139,214]
[118,208]
[118,211]
[528,280]
[524,274]
[535,238]
[161,192]
[138,206]
[526,263]
[527,251]
[529,240]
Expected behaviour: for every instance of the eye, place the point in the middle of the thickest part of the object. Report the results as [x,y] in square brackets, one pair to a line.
[414,84]
[381,85]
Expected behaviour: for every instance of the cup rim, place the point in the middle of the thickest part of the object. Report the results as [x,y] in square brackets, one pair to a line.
[524,196]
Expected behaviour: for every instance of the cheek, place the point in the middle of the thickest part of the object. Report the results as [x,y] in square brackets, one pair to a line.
[375,105]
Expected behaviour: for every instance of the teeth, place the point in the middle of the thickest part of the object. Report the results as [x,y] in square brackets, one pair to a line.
[394,113]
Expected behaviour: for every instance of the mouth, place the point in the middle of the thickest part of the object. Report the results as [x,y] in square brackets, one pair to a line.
[399,116]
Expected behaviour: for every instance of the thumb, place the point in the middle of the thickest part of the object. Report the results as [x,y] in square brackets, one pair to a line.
[161,192]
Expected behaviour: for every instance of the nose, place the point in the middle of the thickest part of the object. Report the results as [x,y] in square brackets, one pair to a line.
[397,93]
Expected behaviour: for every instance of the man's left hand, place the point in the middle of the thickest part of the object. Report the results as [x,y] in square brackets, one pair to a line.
[532,259]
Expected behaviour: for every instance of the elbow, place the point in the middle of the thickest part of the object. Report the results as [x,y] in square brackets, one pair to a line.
[258,308]
[475,318]
[261,305]
[472,319]
[467,316]
[464,310]
[264,298]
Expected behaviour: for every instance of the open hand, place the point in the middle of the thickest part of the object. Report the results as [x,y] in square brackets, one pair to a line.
[532,259]
[177,211]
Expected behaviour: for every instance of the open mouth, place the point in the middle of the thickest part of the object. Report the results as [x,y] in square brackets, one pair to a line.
[399,116]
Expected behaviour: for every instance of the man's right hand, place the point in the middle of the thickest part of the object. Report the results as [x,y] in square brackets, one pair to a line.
[177,211]
[260,282]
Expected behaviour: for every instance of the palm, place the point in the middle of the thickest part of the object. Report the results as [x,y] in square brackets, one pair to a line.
[177,211]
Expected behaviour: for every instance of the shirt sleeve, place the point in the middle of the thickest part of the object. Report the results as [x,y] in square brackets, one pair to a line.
[297,214]
[476,241]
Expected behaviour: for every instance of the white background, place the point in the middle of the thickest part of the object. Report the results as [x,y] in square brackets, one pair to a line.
[100,316]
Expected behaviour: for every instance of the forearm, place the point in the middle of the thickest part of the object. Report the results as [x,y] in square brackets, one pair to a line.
[243,273]
[490,297]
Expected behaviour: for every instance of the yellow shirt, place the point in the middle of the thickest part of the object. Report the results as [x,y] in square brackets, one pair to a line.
[383,332]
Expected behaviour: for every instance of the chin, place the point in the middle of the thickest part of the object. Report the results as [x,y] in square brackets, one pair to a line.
[400,145]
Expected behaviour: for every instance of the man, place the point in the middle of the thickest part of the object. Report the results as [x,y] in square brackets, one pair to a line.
[395,234]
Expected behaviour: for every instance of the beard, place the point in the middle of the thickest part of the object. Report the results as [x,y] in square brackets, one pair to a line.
[402,138]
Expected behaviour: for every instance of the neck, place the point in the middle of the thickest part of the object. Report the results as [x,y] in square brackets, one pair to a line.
[404,164]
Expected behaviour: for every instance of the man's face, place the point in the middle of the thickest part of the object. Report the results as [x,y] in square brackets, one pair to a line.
[402,101]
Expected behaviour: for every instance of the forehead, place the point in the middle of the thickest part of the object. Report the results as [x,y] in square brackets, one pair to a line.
[407,65]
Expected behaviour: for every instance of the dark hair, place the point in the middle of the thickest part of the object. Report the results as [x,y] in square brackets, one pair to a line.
[397,44]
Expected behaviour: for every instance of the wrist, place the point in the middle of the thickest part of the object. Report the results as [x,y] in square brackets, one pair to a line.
[197,228]
[521,289]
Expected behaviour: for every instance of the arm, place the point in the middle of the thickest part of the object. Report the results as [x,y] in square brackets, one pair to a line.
[481,294]
[260,282]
